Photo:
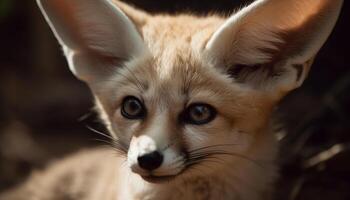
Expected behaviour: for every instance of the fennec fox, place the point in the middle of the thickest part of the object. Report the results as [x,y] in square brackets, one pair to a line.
[187,100]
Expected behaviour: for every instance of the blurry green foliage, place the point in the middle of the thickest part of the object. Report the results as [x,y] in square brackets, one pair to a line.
[5,8]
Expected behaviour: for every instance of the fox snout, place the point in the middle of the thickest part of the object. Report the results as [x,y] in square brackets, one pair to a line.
[145,154]
[150,161]
[147,157]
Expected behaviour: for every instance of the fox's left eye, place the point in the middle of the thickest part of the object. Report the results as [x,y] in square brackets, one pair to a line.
[199,114]
[133,108]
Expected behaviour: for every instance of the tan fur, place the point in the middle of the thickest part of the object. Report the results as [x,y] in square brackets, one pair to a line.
[183,59]
[65,181]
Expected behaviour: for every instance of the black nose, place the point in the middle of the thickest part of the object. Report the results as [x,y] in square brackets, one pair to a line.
[150,161]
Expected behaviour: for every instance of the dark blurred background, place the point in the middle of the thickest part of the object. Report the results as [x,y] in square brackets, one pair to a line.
[45,111]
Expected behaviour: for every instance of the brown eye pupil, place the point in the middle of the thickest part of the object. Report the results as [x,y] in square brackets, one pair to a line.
[199,114]
[132,108]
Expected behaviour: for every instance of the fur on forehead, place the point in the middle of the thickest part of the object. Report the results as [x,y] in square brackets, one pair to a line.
[179,77]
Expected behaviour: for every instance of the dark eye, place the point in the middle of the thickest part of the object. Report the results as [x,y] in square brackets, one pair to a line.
[199,114]
[133,108]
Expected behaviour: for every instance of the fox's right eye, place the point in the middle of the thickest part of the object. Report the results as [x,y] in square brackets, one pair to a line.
[199,114]
[133,108]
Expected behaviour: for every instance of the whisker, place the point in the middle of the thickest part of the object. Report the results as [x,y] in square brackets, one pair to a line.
[100,133]
[112,145]
[120,145]
[117,144]
[231,175]
[85,116]
[202,155]
[108,145]
[214,157]
[105,141]
[212,146]
[119,153]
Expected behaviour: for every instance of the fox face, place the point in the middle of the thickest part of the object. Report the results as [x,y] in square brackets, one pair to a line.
[182,92]
[179,112]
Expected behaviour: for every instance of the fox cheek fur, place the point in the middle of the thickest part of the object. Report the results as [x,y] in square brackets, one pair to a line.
[148,71]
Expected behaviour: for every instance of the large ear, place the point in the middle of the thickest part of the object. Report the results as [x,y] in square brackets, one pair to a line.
[96,35]
[270,44]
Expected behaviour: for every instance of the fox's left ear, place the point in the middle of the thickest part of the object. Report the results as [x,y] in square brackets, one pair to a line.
[270,44]
[96,35]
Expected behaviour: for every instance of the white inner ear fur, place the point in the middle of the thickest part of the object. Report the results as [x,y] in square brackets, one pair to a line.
[250,36]
[93,33]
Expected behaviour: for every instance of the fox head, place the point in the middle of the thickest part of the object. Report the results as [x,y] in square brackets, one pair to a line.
[179,91]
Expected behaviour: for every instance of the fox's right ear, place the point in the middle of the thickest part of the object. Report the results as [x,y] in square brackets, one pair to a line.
[270,45]
[96,35]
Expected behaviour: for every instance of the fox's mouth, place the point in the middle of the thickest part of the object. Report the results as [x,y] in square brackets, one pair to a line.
[167,171]
[158,179]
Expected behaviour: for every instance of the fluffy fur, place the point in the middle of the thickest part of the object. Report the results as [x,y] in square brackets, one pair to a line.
[242,66]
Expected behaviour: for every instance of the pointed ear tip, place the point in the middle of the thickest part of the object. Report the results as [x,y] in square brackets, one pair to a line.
[39,2]
[45,3]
